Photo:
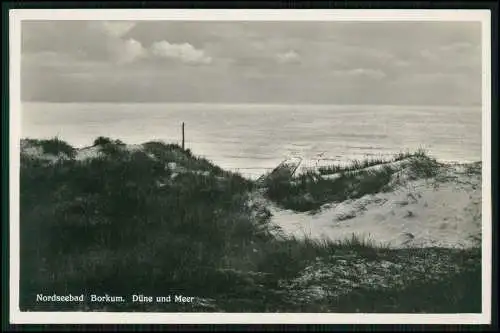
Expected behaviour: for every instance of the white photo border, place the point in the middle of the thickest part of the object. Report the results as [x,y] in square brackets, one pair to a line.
[17,16]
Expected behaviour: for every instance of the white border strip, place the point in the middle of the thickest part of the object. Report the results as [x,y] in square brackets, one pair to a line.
[14,158]
[251,14]
[487,235]
[17,16]
[241,318]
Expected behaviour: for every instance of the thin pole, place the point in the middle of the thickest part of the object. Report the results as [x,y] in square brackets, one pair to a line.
[182,135]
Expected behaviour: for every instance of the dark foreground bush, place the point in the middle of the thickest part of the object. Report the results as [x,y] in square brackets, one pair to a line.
[458,293]
[124,224]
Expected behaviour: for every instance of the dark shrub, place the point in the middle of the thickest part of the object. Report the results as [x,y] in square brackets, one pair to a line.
[424,167]
[102,141]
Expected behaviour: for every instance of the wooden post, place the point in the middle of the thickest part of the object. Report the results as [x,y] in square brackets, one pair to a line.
[183,135]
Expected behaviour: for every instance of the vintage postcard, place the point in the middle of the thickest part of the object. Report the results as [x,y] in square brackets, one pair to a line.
[250,166]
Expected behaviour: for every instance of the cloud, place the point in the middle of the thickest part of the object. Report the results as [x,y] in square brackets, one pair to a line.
[288,57]
[57,45]
[451,57]
[450,50]
[457,47]
[401,63]
[131,50]
[362,72]
[428,55]
[48,58]
[390,62]
[120,49]
[117,29]
[185,52]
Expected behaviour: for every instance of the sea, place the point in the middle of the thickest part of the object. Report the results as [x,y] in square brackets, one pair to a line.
[254,138]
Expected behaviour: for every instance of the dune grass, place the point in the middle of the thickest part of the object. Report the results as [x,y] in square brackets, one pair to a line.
[352,166]
[54,146]
[310,190]
[355,165]
[125,222]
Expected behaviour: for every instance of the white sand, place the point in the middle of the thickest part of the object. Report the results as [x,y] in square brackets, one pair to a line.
[86,153]
[93,152]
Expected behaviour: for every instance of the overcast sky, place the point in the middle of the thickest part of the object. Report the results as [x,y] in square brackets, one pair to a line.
[423,63]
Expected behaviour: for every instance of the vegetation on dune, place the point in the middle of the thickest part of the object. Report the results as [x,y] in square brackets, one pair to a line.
[109,147]
[184,158]
[392,281]
[103,140]
[419,155]
[355,165]
[473,168]
[126,211]
[309,191]
[160,221]
[54,146]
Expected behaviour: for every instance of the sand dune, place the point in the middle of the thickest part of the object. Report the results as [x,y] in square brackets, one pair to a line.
[444,212]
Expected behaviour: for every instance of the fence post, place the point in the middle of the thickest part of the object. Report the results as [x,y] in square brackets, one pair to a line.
[183,135]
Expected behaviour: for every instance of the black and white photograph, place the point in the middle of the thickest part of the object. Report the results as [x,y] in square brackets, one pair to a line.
[252,164]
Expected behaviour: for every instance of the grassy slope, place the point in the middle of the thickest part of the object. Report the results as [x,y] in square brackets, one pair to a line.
[124,224]
[309,191]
